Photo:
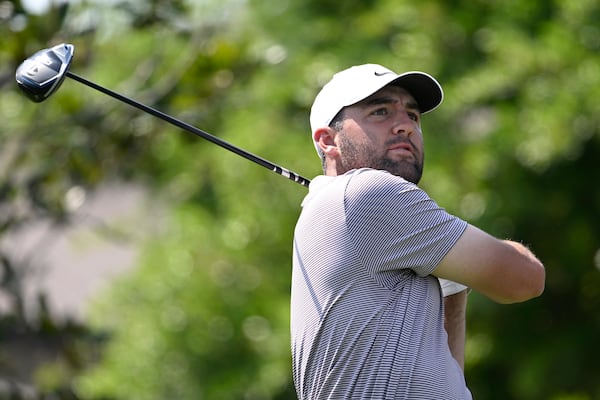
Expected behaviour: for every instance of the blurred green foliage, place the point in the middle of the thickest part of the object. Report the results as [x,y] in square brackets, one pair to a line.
[513,149]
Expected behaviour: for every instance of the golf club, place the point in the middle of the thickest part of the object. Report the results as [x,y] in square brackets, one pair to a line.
[41,75]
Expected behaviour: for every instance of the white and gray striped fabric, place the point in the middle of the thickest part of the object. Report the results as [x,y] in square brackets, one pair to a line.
[366,315]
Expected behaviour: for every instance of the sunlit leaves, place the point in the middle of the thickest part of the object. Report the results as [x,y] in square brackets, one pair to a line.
[513,149]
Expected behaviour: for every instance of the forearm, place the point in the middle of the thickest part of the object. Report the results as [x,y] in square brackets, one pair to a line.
[455,310]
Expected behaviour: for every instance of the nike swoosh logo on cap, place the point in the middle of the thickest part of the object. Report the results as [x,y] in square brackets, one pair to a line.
[381,73]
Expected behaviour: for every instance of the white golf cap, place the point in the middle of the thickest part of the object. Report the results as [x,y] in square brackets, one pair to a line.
[356,83]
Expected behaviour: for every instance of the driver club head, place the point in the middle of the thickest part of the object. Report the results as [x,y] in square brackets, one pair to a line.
[42,74]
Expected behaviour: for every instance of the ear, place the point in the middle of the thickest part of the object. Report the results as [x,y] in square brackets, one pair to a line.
[325,139]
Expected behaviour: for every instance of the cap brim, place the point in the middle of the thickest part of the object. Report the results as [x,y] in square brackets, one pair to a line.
[425,89]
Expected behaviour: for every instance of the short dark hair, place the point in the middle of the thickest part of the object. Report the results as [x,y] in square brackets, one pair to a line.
[336,122]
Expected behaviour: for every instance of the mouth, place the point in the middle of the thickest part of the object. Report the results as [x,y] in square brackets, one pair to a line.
[401,147]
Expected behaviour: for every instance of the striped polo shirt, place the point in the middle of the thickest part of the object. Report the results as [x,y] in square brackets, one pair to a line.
[366,315]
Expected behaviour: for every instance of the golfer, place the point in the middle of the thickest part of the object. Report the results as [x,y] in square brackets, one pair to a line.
[380,271]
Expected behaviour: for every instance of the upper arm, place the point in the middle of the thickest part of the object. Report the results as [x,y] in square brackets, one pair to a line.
[504,271]
[394,225]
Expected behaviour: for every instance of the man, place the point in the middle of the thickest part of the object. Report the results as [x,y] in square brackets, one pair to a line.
[368,311]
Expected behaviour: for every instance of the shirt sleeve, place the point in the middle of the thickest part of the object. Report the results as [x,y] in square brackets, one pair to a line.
[450,287]
[395,225]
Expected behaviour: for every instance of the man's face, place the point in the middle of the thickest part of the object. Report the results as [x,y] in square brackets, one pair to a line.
[383,132]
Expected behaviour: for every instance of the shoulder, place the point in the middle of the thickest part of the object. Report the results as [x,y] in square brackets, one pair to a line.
[373,176]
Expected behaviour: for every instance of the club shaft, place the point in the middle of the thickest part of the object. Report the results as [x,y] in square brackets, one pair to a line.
[192,129]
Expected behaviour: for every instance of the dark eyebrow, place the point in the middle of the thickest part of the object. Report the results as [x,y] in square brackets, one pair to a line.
[379,100]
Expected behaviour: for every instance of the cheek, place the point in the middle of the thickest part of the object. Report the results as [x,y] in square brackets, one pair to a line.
[418,138]
[355,139]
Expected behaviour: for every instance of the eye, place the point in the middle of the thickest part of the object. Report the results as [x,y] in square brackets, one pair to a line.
[380,111]
[413,115]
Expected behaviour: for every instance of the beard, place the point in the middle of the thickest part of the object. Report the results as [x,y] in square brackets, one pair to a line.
[363,155]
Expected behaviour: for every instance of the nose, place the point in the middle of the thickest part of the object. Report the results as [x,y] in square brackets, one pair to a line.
[403,124]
